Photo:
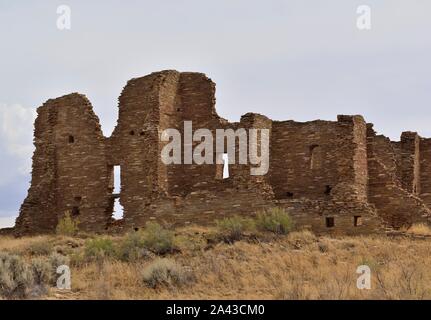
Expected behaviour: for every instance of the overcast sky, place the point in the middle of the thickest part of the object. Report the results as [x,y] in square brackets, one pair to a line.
[287,59]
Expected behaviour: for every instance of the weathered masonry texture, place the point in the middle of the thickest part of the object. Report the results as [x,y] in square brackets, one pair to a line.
[331,176]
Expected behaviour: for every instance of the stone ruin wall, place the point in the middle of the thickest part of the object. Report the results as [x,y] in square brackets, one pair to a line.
[332,176]
[69,167]
[390,179]
[321,155]
[425,170]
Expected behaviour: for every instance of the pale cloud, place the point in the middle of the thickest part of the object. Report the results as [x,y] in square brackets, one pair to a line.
[16,132]
[7,220]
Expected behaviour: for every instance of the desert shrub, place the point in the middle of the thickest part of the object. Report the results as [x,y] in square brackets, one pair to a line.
[158,239]
[323,247]
[298,239]
[16,278]
[232,229]
[77,258]
[40,248]
[43,274]
[56,260]
[132,247]
[19,279]
[67,246]
[67,226]
[99,248]
[275,220]
[42,271]
[166,272]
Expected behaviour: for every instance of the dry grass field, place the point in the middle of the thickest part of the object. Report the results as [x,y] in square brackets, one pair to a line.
[195,263]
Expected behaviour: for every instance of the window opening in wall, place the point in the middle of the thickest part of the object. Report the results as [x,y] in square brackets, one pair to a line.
[219,167]
[118,208]
[225,166]
[289,194]
[357,221]
[75,211]
[71,139]
[328,190]
[132,132]
[330,222]
[222,166]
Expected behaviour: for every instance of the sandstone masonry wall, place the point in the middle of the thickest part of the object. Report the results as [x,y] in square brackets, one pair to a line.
[425,170]
[332,176]
[396,205]
[69,168]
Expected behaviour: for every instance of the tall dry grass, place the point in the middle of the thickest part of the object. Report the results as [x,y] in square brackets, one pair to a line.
[419,229]
[297,266]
